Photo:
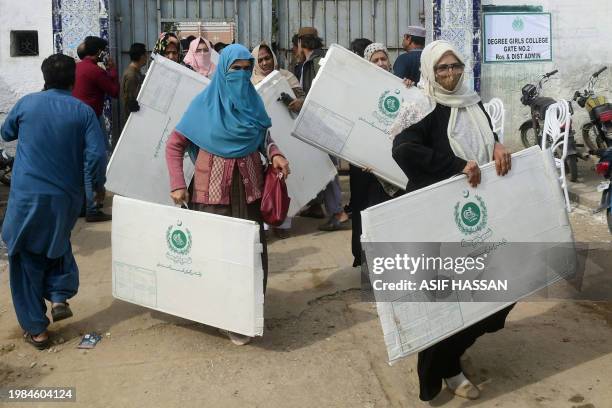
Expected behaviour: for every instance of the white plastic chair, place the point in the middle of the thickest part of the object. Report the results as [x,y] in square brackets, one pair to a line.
[497,113]
[555,138]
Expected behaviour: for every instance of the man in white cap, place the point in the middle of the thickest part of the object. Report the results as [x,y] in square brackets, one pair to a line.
[408,65]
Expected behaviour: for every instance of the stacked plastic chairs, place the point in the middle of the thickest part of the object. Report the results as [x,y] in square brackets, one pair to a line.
[555,137]
[495,109]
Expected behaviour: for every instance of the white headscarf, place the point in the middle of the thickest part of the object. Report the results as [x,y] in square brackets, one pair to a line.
[469,132]
[374,48]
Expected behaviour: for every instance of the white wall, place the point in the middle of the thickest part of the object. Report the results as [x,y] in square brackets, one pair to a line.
[582,43]
[21,75]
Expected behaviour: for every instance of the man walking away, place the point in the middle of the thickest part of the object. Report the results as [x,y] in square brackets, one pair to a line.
[132,80]
[408,65]
[60,143]
[92,84]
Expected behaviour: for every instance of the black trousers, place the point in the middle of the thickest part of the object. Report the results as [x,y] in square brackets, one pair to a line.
[442,360]
[366,191]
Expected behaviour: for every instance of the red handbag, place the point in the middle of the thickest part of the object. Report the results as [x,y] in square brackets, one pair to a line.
[275,200]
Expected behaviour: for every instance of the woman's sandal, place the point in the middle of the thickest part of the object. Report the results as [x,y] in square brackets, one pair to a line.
[60,312]
[237,339]
[466,389]
[40,345]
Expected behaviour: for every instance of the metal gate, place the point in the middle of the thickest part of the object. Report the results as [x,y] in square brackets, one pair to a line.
[341,21]
[143,20]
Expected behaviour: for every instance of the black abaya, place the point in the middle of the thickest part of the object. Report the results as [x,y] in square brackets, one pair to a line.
[424,153]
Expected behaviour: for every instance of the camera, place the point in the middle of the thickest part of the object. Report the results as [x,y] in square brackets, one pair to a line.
[285,98]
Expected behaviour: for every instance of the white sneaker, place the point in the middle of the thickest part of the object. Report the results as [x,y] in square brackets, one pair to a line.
[237,339]
[462,387]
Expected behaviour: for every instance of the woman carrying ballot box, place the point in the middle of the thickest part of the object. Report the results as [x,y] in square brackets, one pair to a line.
[224,129]
[453,135]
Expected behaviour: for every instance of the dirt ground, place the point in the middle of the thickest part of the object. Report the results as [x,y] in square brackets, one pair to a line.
[322,346]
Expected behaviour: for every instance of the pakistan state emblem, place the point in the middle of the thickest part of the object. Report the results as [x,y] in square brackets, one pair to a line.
[389,103]
[518,24]
[178,239]
[470,215]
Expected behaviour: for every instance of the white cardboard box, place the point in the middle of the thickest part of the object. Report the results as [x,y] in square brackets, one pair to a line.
[349,110]
[311,169]
[173,260]
[525,206]
[137,168]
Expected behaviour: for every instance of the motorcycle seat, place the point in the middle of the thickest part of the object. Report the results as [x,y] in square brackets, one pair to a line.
[541,104]
[603,113]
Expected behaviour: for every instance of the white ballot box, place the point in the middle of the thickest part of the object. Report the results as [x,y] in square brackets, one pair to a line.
[349,110]
[137,168]
[311,168]
[516,225]
[173,260]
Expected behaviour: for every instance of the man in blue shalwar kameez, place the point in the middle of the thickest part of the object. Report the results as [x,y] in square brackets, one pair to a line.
[60,144]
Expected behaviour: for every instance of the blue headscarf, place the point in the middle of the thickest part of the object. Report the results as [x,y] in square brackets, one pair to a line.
[228,118]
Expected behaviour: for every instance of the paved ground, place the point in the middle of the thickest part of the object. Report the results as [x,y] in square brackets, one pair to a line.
[322,345]
[584,192]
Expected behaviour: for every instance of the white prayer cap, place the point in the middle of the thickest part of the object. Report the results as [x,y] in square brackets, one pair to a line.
[416,31]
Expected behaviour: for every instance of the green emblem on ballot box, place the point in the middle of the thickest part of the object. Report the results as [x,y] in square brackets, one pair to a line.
[389,103]
[471,215]
[179,239]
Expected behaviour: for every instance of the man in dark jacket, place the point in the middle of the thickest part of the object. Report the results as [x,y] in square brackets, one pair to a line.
[132,80]
[310,46]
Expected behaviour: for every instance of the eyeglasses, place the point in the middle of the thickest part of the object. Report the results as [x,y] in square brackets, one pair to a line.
[443,68]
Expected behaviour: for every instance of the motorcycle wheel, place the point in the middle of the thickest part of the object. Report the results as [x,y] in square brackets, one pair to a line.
[528,135]
[5,178]
[572,164]
[591,138]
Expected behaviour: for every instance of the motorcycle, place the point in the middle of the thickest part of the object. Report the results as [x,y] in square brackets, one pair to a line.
[604,168]
[532,129]
[597,134]
[6,167]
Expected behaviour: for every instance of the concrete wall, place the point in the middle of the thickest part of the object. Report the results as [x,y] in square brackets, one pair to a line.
[21,75]
[582,43]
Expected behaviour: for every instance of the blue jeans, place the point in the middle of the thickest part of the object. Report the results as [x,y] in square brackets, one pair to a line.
[332,195]
[90,204]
